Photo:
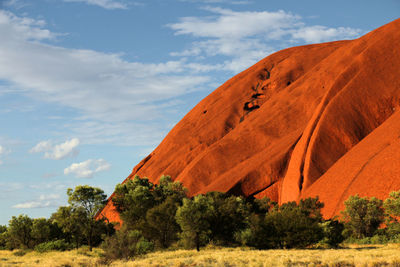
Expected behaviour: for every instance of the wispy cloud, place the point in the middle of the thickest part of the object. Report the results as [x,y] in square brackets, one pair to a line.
[88,168]
[247,36]
[17,4]
[3,151]
[113,99]
[234,2]
[317,34]
[59,151]
[43,201]
[107,4]
[99,87]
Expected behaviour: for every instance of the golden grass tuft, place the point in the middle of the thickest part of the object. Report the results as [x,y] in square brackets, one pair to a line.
[355,255]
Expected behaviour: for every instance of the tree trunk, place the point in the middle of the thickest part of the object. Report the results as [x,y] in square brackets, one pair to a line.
[197,240]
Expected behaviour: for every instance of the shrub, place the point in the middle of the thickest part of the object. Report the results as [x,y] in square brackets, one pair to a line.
[20,252]
[258,234]
[287,226]
[60,245]
[125,244]
[293,228]
[332,233]
[19,232]
[363,216]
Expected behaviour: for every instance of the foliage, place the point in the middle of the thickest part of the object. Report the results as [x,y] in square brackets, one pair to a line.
[257,234]
[161,221]
[87,201]
[133,199]
[363,216]
[19,232]
[392,212]
[60,245]
[158,215]
[71,222]
[150,208]
[193,218]
[3,237]
[286,226]
[333,233]
[295,226]
[125,244]
[262,206]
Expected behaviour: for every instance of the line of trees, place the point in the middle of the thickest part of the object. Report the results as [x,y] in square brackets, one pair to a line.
[160,216]
[69,227]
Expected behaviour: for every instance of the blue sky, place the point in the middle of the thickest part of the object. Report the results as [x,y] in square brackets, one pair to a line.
[90,87]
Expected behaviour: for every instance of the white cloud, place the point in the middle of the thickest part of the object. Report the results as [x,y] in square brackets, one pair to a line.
[98,87]
[105,91]
[17,4]
[107,4]
[31,205]
[43,201]
[59,151]
[246,37]
[3,151]
[234,25]
[88,168]
[234,2]
[317,34]
[49,197]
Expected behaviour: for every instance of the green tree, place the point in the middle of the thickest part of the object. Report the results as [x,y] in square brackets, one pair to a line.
[88,201]
[133,199]
[290,225]
[333,233]
[144,205]
[42,230]
[295,226]
[262,206]
[166,188]
[392,212]
[193,219]
[3,236]
[19,232]
[161,219]
[229,215]
[71,221]
[257,234]
[363,216]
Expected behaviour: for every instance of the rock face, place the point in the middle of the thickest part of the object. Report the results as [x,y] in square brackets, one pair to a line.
[317,120]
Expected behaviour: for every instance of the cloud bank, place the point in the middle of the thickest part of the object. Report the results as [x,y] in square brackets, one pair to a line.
[245,37]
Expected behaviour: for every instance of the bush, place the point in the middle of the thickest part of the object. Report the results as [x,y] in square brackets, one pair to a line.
[125,244]
[292,228]
[19,232]
[59,245]
[20,252]
[363,216]
[332,233]
[258,234]
[287,226]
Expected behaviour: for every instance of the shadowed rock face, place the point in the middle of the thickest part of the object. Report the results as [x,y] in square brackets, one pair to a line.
[312,120]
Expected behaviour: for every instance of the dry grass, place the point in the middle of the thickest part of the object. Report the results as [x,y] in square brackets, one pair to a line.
[375,256]
[77,257]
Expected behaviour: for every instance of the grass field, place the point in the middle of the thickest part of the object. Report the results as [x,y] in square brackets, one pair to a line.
[375,256]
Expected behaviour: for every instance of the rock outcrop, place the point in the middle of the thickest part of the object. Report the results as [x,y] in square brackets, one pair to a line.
[317,120]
